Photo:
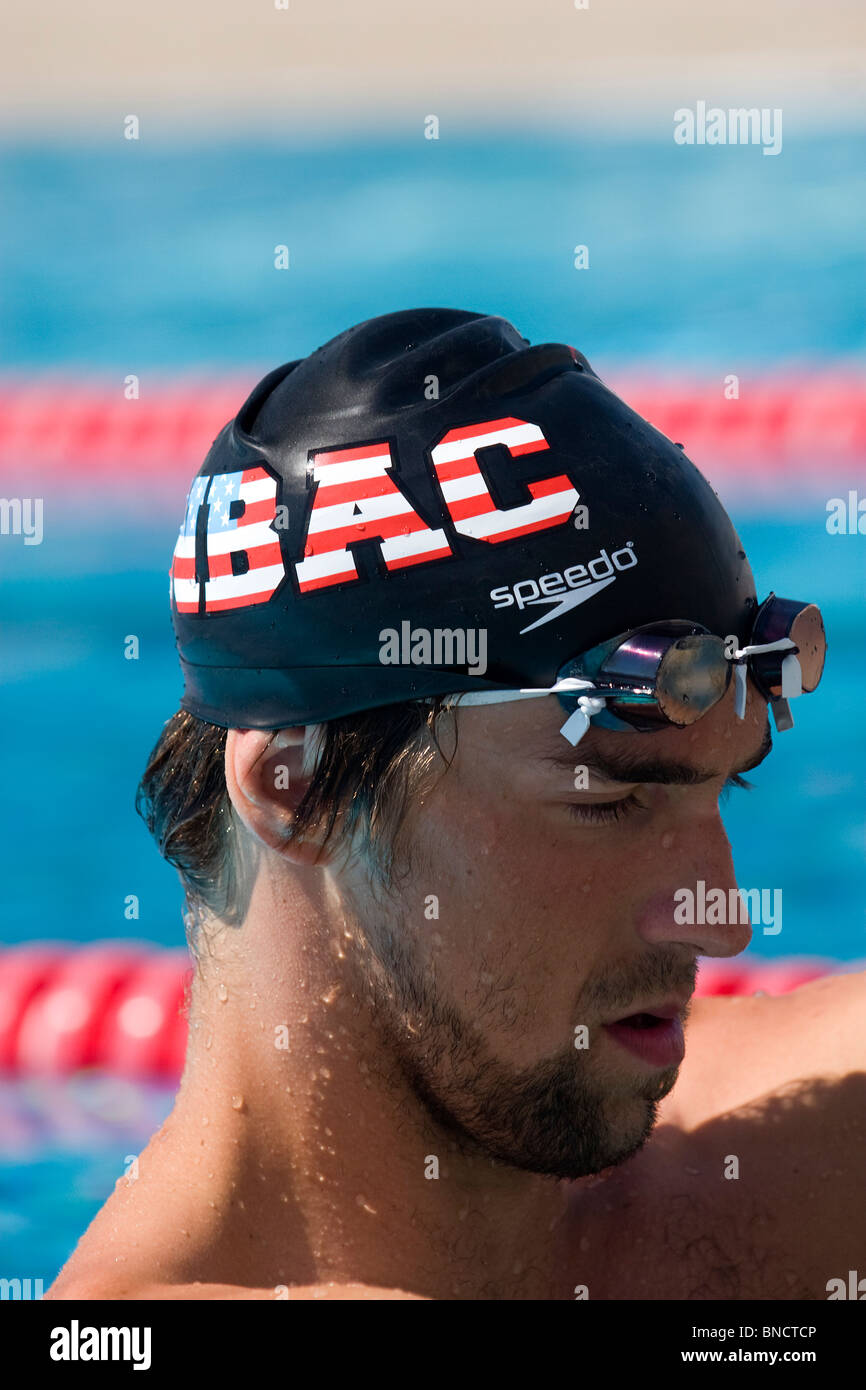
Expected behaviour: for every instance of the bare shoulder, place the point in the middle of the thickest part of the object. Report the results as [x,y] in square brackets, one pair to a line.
[96,1287]
[763,1201]
[740,1048]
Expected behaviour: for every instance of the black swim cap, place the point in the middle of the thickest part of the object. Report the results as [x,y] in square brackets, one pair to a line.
[429,472]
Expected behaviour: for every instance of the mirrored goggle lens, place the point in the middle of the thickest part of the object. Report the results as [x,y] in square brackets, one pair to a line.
[803,624]
[667,673]
[693,676]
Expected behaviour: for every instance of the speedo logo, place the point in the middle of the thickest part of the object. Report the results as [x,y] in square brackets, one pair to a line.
[566,589]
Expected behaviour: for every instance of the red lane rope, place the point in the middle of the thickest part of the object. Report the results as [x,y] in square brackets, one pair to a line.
[110,1005]
[785,421]
[121,1007]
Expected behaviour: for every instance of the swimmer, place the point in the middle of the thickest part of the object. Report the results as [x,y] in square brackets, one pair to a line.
[471,653]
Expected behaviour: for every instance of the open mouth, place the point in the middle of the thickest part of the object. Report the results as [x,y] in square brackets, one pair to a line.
[656,1038]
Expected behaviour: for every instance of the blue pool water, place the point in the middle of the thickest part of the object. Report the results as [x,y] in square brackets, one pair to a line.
[63,1146]
[130,255]
[158,259]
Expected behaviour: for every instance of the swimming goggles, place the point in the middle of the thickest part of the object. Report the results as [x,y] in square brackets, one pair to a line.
[673,672]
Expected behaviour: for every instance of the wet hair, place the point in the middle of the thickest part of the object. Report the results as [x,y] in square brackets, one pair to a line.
[369,766]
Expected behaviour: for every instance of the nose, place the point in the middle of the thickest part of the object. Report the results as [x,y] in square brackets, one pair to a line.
[697,903]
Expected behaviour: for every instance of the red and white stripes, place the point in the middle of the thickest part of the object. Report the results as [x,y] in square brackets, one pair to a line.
[356,500]
[470,505]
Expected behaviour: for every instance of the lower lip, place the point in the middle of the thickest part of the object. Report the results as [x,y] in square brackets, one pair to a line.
[663,1045]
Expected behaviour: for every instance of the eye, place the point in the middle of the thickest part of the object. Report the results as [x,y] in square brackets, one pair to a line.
[603,812]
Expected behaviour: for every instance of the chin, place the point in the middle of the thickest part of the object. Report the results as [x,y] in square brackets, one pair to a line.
[631,1127]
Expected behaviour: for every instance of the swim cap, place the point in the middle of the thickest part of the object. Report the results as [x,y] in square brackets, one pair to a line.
[424,486]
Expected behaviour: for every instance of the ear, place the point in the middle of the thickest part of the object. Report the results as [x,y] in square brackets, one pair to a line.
[267,776]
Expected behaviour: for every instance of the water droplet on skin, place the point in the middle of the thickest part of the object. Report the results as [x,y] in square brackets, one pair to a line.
[237,1102]
[330,994]
[323,1071]
[222,993]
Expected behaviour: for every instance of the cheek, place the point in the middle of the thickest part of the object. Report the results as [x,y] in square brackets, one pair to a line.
[518,927]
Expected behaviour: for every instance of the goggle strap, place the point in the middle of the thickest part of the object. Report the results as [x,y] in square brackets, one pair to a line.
[575,726]
[588,704]
[571,685]
[577,722]
[781,645]
[740,682]
[792,678]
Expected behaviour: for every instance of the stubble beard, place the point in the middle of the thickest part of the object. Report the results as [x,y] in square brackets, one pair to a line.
[554,1117]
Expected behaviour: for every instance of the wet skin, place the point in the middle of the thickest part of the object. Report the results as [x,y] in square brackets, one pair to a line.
[432,1027]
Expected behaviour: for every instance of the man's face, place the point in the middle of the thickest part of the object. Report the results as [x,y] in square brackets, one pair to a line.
[532,900]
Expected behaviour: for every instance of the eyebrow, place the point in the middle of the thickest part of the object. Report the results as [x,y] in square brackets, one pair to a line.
[627,767]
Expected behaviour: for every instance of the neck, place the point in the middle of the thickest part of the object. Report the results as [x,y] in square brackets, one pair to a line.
[316,1160]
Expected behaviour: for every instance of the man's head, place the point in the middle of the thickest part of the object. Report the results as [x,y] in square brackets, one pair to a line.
[502,911]
[499,896]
